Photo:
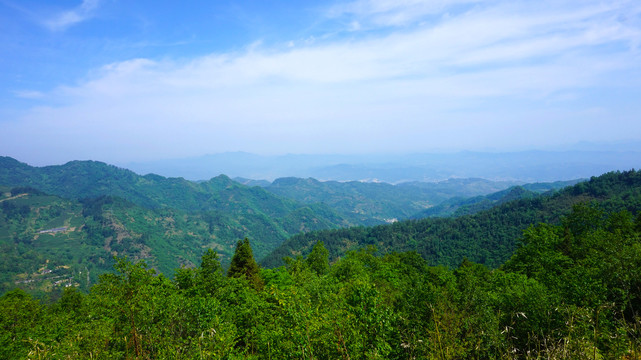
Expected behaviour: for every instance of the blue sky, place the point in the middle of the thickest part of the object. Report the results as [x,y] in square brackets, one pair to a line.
[121,81]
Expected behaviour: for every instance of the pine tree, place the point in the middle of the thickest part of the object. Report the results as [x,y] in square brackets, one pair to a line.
[244,265]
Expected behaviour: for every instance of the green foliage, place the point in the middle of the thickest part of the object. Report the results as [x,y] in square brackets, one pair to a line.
[570,291]
[459,206]
[318,259]
[20,315]
[488,237]
[243,265]
[48,242]
[224,209]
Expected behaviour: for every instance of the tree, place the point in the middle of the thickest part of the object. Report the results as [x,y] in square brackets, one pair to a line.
[244,265]
[318,259]
[71,300]
[131,296]
[19,317]
[210,272]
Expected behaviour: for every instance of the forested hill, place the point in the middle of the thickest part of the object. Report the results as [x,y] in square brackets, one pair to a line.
[48,242]
[458,206]
[572,291]
[364,203]
[341,204]
[108,211]
[487,237]
[221,197]
[372,203]
[91,179]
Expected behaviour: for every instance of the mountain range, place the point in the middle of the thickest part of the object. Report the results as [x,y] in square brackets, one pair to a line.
[523,166]
[63,224]
[487,235]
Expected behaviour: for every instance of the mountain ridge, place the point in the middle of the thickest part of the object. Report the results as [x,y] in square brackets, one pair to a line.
[488,237]
[525,166]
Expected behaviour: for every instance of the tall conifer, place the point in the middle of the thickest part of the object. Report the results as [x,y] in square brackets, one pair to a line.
[244,265]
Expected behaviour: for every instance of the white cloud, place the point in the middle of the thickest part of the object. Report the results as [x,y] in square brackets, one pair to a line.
[83,12]
[459,81]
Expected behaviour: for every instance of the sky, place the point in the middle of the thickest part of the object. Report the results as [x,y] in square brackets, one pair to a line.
[119,81]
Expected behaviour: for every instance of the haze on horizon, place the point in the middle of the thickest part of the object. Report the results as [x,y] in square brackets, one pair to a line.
[124,81]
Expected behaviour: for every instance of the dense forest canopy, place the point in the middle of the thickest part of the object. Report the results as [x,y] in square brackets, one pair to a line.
[488,236]
[571,291]
[520,275]
[62,225]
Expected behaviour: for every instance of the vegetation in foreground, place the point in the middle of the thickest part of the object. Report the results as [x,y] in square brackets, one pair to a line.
[571,291]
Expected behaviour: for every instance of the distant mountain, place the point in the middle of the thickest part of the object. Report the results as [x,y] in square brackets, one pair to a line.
[527,166]
[581,161]
[368,203]
[235,210]
[239,164]
[250,182]
[487,237]
[458,206]
[460,187]
[48,242]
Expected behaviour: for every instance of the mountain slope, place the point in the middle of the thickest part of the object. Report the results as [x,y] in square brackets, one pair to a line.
[232,210]
[48,242]
[363,203]
[488,237]
[458,206]
[90,179]
[368,203]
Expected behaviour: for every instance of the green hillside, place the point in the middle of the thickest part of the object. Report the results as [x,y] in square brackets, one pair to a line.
[91,179]
[363,203]
[487,237]
[458,206]
[571,291]
[232,210]
[48,242]
[369,203]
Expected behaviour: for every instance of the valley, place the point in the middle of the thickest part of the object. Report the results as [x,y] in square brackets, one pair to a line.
[78,216]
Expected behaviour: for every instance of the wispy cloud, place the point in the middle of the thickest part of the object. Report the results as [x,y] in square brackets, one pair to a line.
[29,94]
[496,40]
[394,12]
[65,19]
[461,80]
